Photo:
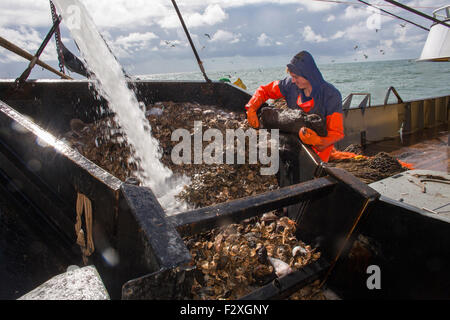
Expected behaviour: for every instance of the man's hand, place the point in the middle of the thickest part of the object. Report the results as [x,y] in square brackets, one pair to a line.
[310,137]
[252,118]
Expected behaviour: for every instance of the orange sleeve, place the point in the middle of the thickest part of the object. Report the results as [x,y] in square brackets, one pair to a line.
[264,93]
[335,128]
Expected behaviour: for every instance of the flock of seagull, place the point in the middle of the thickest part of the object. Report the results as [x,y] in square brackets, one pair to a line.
[172,45]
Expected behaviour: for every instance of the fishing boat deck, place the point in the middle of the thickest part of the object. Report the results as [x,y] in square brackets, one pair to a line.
[428,149]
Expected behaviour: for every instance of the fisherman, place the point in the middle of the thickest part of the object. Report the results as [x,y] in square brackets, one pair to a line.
[306,89]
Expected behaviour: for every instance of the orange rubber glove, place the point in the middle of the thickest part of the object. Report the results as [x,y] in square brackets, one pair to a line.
[262,94]
[252,118]
[309,136]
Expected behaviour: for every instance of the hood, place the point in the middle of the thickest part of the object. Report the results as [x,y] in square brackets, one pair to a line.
[303,64]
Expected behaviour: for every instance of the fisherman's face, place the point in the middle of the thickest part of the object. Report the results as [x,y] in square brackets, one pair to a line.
[301,82]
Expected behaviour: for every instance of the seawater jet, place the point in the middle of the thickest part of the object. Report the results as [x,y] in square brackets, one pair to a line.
[110,82]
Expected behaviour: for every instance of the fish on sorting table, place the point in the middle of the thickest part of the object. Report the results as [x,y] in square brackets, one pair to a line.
[281,267]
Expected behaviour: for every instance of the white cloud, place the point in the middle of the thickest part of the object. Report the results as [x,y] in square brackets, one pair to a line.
[125,45]
[360,32]
[310,36]
[330,18]
[136,39]
[20,12]
[338,35]
[29,40]
[225,36]
[212,15]
[315,6]
[358,13]
[264,40]
[125,13]
[412,40]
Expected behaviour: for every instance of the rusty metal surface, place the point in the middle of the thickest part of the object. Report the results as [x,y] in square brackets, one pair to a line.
[381,122]
[428,149]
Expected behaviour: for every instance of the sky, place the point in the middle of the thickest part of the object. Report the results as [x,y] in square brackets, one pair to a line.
[146,36]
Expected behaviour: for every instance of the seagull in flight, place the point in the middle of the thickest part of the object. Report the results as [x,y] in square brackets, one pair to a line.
[207,35]
[169,44]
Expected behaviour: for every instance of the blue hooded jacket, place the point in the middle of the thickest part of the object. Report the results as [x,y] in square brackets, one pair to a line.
[324,100]
[327,99]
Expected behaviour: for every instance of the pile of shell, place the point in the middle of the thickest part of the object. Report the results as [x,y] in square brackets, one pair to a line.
[102,143]
[210,183]
[370,169]
[234,260]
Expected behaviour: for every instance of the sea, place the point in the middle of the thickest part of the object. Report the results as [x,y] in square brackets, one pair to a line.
[411,79]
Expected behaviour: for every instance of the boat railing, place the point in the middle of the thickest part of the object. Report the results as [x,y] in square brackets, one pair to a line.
[392,89]
[365,102]
[442,13]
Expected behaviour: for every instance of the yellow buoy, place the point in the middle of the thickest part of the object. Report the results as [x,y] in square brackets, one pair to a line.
[239,83]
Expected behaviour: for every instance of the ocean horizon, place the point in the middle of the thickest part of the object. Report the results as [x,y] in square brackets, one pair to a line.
[412,80]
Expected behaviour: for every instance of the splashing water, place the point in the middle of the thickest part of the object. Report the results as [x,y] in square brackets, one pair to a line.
[110,82]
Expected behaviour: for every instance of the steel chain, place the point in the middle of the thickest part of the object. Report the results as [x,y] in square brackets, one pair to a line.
[57,38]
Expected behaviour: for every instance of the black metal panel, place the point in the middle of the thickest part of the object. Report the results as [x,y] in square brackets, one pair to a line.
[411,250]
[166,284]
[37,221]
[53,103]
[52,186]
[196,221]
[326,224]
[168,247]
[146,241]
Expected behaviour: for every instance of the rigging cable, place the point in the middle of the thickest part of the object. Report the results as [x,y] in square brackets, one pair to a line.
[382,10]
[417,12]
[200,63]
[378,4]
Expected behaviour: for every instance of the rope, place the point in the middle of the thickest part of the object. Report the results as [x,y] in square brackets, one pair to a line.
[86,246]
